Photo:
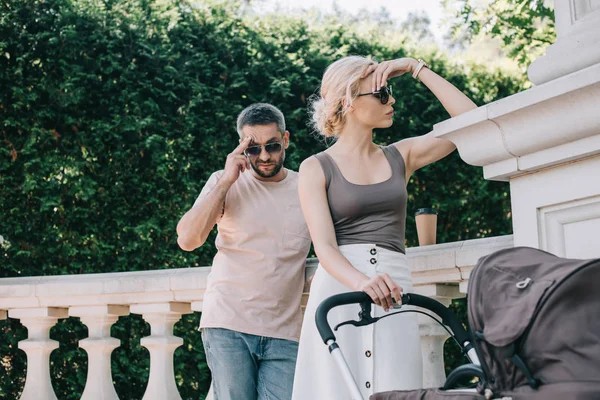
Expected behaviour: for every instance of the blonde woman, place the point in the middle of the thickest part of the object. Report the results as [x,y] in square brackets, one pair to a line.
[353,196]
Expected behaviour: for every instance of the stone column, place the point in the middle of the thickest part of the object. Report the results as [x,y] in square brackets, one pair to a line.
[209,395]
[545,141]
[99,345]
[161,344]
[38,347]
[433,336]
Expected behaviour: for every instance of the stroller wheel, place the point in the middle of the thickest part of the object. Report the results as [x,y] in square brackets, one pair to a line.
[462,372]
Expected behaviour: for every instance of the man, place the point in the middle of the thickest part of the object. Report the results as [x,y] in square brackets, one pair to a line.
[251,314]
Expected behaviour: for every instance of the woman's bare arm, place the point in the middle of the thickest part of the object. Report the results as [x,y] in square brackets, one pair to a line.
[313,199]
[423,150]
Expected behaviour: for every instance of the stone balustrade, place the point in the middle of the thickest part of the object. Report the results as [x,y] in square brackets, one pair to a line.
[162,297]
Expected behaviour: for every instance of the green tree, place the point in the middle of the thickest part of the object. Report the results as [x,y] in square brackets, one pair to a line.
[418,25]
[526,27]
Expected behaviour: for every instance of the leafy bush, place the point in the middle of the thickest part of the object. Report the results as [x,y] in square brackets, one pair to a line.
[112,116]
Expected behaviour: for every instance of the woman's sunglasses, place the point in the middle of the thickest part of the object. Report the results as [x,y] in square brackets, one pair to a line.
[383,94]
[271,148]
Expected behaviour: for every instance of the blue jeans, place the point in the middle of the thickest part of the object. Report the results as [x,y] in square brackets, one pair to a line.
[249,367]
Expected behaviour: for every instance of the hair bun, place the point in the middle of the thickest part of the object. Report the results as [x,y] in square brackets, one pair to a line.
[339,86]
[326,117]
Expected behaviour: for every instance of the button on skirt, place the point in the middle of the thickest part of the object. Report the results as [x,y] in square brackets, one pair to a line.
[382,356]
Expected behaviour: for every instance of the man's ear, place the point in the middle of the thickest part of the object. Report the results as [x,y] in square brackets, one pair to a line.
[286,139]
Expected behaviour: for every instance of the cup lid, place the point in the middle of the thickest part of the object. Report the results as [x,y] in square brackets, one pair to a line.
[426,211]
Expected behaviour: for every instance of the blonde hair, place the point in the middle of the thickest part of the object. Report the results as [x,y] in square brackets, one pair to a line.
[339,89]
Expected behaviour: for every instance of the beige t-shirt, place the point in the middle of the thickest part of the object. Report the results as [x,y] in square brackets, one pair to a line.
[256,281]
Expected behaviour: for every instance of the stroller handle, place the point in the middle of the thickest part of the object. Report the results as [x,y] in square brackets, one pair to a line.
[448,318]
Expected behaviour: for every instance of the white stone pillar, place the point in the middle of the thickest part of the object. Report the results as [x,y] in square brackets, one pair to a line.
[546,142]
[99,346]
[576,46]
[558,209]
[38,347]
[161,344]
[209,395]
[433,336]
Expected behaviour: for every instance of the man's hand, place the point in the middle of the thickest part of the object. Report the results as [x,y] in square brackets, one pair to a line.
[236,163]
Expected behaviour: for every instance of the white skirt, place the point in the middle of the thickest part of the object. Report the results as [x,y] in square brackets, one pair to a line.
[382,356]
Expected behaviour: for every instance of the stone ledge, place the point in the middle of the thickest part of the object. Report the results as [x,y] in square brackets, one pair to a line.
[504,136]
[437,264]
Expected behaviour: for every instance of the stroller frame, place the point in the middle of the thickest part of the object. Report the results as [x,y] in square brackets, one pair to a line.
[457,332]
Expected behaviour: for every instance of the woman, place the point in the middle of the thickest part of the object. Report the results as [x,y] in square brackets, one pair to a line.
[353,196]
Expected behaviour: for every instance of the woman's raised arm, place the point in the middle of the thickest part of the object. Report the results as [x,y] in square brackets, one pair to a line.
[422,150]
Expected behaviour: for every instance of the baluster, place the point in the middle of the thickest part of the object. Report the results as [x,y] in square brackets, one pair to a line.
[38,347]
[161,344]
[433,336]
[99,345]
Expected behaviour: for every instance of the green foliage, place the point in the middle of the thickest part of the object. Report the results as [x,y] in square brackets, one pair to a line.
[526,27]
[112,116]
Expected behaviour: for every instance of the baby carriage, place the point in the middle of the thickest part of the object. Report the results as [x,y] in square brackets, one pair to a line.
[534,330]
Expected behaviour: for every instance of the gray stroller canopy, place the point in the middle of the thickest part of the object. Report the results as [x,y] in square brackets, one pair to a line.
[535,322]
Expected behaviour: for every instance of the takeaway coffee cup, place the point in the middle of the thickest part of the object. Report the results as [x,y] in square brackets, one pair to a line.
[426,219]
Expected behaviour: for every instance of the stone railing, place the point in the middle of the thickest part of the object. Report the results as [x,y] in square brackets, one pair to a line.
[162,297]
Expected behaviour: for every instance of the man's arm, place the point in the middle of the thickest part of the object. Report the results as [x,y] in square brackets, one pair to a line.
[196,224]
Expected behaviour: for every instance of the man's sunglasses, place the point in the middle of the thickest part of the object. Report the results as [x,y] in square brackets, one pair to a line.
[383,94]
[271,148]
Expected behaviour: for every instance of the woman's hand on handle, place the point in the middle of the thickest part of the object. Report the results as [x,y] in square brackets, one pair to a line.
[381,288]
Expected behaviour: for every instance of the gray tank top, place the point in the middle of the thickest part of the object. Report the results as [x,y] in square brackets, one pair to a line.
[368,213]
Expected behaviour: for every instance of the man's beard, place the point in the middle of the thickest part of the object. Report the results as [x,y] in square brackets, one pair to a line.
[271,174]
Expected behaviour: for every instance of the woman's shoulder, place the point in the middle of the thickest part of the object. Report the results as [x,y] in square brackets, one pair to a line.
[310,164]
[396,152]
[321,158]
[313,167]
[394,147]
[403,146]
[321,155]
